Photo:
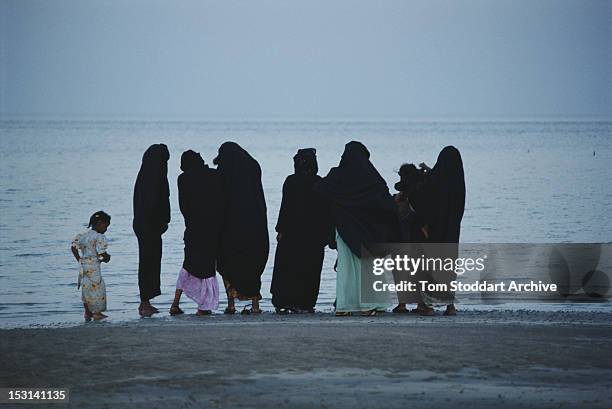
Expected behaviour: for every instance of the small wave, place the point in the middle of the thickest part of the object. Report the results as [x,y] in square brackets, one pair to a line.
[32,255]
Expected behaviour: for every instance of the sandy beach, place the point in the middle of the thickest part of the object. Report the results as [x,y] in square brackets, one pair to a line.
[506,359]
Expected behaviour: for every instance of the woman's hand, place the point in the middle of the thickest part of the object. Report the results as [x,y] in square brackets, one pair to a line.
[424,166]
[279,236]
[425,230]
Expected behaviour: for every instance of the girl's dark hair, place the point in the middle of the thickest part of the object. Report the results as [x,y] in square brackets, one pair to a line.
[99,216]
[410,177]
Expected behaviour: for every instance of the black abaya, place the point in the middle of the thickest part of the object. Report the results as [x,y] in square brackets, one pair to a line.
[244,241]
[362,208]
[304,224]
[202,204]
[446,183]
[151,217]
[445,205]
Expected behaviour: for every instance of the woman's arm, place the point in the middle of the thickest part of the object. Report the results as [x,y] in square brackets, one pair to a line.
[283,217]
[75,253]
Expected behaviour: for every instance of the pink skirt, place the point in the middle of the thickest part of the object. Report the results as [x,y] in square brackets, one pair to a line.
[204,291]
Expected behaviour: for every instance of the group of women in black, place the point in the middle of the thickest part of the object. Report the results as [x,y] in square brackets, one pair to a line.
[350,208]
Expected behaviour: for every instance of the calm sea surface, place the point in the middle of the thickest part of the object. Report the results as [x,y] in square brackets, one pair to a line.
[526,182]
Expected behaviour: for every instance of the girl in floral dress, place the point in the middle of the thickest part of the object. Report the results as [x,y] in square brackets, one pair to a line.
[89,249]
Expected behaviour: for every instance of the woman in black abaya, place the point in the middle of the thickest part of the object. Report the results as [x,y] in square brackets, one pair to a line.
[446,186]
[151,218]
[447,182]
[304,228]
[431,209]
[244,242]
[364,213]
[202,204]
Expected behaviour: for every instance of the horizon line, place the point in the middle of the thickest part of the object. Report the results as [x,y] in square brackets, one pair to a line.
[287,118]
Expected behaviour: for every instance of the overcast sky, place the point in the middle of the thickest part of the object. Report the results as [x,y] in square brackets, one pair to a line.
[307,59]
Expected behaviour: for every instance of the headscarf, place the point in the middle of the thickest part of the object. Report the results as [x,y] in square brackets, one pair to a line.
[191,160]
[364,211]
[202,203]
[305,162]
[240,171]
[245,243]
[151,191]
[156,156]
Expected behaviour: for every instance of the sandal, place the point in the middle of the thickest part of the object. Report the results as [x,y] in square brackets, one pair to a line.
[203,312]
[450,312]
[248,311]
[175,310]
[282,311]
[229,310]
[398,310]
[369,313]
[419,308]
[343,313]
[427,312]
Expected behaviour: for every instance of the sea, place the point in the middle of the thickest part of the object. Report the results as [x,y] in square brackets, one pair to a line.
[527,181]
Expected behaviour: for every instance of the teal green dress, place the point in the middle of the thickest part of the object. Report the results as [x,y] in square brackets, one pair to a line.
[348,282]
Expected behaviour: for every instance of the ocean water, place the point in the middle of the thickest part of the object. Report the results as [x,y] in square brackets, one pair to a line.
[541,182]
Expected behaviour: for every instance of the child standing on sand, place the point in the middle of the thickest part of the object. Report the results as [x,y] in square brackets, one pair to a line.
[92,246]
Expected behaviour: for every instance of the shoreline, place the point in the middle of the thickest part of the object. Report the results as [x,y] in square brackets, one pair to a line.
[512,360]
[556,314]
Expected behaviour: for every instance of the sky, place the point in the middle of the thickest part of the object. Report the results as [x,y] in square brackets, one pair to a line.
[306,59]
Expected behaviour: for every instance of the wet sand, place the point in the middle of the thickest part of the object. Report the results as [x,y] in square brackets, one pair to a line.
[505,359]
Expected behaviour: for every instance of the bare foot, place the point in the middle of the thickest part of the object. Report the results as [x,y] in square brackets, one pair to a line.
[203,312]
[147,308]
[146,311]
[176,310]
[99,316]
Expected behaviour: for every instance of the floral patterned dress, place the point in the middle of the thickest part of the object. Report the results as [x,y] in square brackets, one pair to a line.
[91,245]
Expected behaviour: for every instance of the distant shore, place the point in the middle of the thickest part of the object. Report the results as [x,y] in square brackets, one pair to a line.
[478,359]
